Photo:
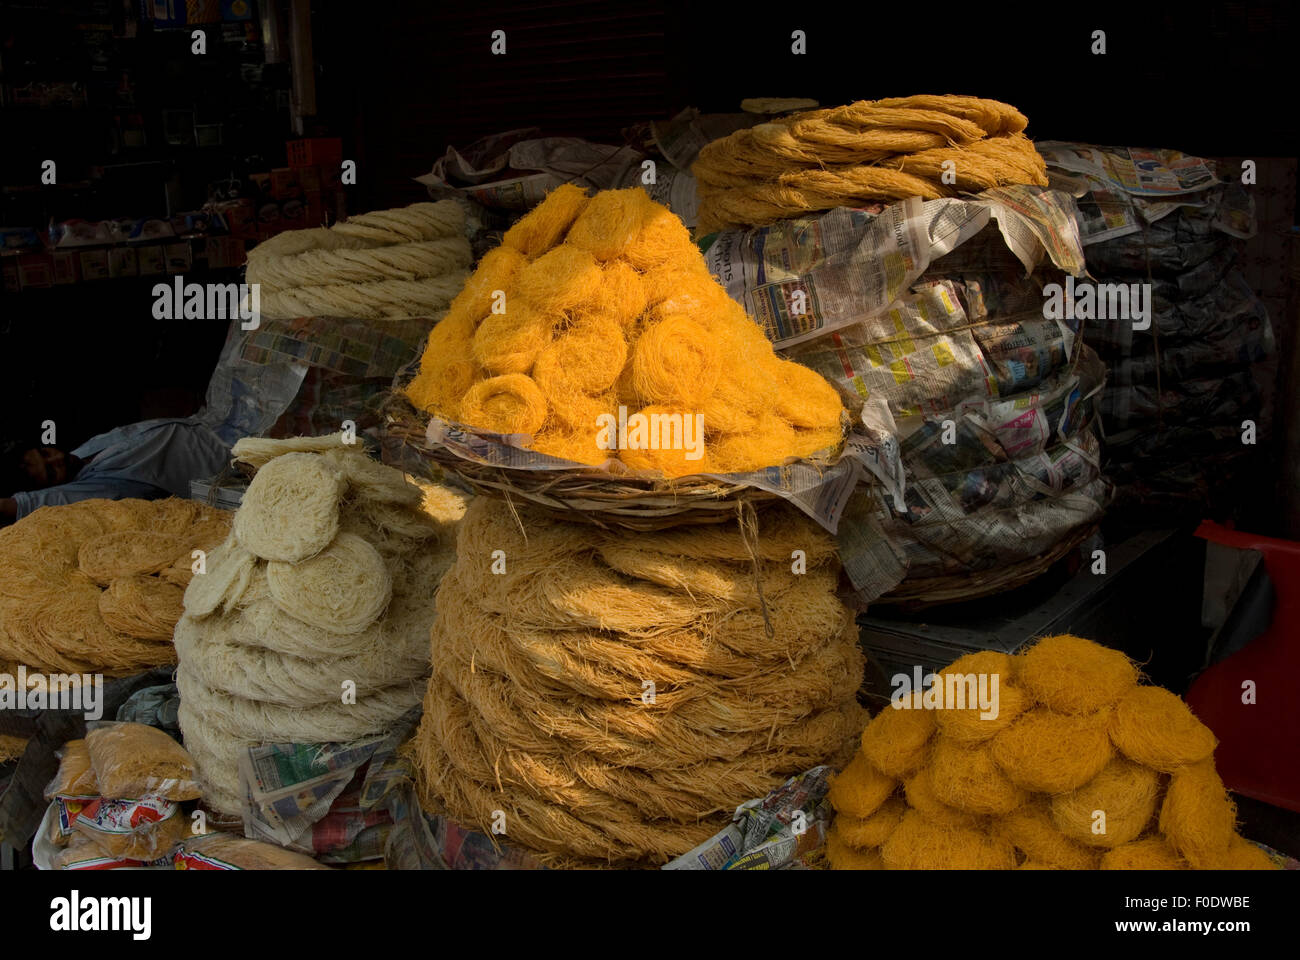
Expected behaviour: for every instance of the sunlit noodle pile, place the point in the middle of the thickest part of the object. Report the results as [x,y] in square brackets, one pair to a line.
[593,304]
[881,150]
[616,698]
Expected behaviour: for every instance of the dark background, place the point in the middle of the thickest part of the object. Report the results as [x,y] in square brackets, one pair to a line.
[400,81]
[1211,80]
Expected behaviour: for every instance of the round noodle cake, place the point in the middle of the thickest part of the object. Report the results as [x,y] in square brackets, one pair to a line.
[372,480]
[57,617]
[229,568]
[291,509]
[343,589]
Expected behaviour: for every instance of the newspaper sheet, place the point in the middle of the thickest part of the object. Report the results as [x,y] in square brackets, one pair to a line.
[289,789]
[981,485]
[515,170]
[1123,190]
[925,354]
[960,543]
[805,278]
[1136,170]
[681,138]
[771,833]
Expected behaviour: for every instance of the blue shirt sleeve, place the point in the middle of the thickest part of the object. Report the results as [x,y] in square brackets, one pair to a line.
[107,488]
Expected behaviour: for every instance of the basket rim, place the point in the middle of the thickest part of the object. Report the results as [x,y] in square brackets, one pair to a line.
[577,486]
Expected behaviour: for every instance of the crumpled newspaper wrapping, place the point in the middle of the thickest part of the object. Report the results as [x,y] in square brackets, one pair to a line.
[976,445]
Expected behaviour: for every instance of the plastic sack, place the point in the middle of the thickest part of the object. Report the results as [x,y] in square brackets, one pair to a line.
[73,851]
[133,829]
[132,760]
[224,851]
[76,776]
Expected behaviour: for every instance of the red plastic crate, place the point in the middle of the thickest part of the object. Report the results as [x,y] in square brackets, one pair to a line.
[316,152]
[1259,744]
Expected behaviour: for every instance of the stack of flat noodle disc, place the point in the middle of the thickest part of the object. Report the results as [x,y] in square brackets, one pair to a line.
[311,621]
[883,150]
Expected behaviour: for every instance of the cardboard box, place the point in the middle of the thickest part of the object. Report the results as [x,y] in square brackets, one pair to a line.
[315,213]
[151,259]
[93,263]
[285,184]
[65,267]
[180,257]
[240,216]
[123,262]
[261,183]
[310,179]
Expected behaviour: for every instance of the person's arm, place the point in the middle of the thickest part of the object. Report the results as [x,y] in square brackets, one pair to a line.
[107,488]
[8,511]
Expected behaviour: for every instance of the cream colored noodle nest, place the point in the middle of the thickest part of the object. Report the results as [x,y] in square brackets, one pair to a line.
[311,623]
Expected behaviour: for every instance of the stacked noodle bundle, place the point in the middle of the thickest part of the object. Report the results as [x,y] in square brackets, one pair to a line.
[95,586]
[870,150]
[311,622]
[390,263]
[592,305]
[1082,768]
[616,698]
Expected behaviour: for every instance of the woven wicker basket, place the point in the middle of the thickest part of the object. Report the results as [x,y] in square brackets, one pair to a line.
[922,592]
[586,495]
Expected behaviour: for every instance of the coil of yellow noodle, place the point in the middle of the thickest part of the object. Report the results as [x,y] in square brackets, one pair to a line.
[496,271]
[577,446]
[676,362]
[447,367]
[669,456]
[804,397]
[619,297]
[587,359]
[559,279]
[611,223]
[507,404]
[661,237]
[509,342]
[547,223]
